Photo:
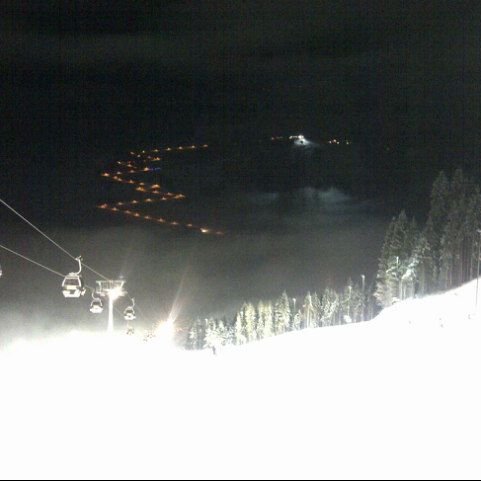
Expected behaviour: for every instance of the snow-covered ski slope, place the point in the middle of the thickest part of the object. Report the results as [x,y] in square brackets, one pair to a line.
[397,397]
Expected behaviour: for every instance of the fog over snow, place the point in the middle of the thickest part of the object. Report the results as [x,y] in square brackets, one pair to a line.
[396,397]
[299,241]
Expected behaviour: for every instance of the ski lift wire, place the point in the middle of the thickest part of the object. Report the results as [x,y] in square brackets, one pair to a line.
[38,264]
[32,261]
[48,238]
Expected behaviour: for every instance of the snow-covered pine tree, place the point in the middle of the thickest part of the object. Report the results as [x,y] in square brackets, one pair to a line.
[435,225]
[394,266]
[347,307]
[422,264]
[473,223]
[267,319]
[317,310]
[462,190]
[212,335]
[357,303]
[282,314]
[409,262]
[223,332]
[250,322]
[307,311]
[260,321]
[448,251]
[383,292]
[455,235]
[371,303]
[363,299]
[330,308]
[196,335]
[240,327]
[297,321]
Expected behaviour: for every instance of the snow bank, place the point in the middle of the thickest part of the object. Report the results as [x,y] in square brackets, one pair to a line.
[397,397]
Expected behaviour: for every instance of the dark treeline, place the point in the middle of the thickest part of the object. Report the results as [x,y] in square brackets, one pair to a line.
[415,260]
[439,255]
[271,318]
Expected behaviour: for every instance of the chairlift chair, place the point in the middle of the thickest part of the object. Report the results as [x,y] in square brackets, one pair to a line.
[129,313]
[96,307]
[73,284]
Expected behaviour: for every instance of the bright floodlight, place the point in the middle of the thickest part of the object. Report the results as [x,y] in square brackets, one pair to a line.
[112,290]
[115,293]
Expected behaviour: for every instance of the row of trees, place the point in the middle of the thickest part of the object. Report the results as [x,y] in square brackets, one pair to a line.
[415,260]
[439,255]
[354,304]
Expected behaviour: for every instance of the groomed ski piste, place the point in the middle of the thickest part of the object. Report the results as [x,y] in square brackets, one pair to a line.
[396,397]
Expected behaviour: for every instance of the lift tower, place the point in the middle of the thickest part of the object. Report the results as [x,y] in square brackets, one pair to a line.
[112,290]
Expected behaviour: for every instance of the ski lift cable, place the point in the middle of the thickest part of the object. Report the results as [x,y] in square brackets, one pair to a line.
[38,264]
[32,261]
[92,289]
[48,238]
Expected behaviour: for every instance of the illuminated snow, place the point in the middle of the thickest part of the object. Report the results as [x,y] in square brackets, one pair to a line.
[396,397]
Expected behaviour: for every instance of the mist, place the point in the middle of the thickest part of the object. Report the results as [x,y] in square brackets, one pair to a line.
[299,241]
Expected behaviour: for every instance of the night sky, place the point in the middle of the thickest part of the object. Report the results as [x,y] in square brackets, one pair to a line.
[83,81]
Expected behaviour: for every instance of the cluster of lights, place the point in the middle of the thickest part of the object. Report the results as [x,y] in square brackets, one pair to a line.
[338,142]
[291,137]
[143,187]
[152,154]
[158,220]
[302,139]
[153,191]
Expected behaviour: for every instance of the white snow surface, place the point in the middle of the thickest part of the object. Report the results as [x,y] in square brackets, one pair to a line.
[397,397]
